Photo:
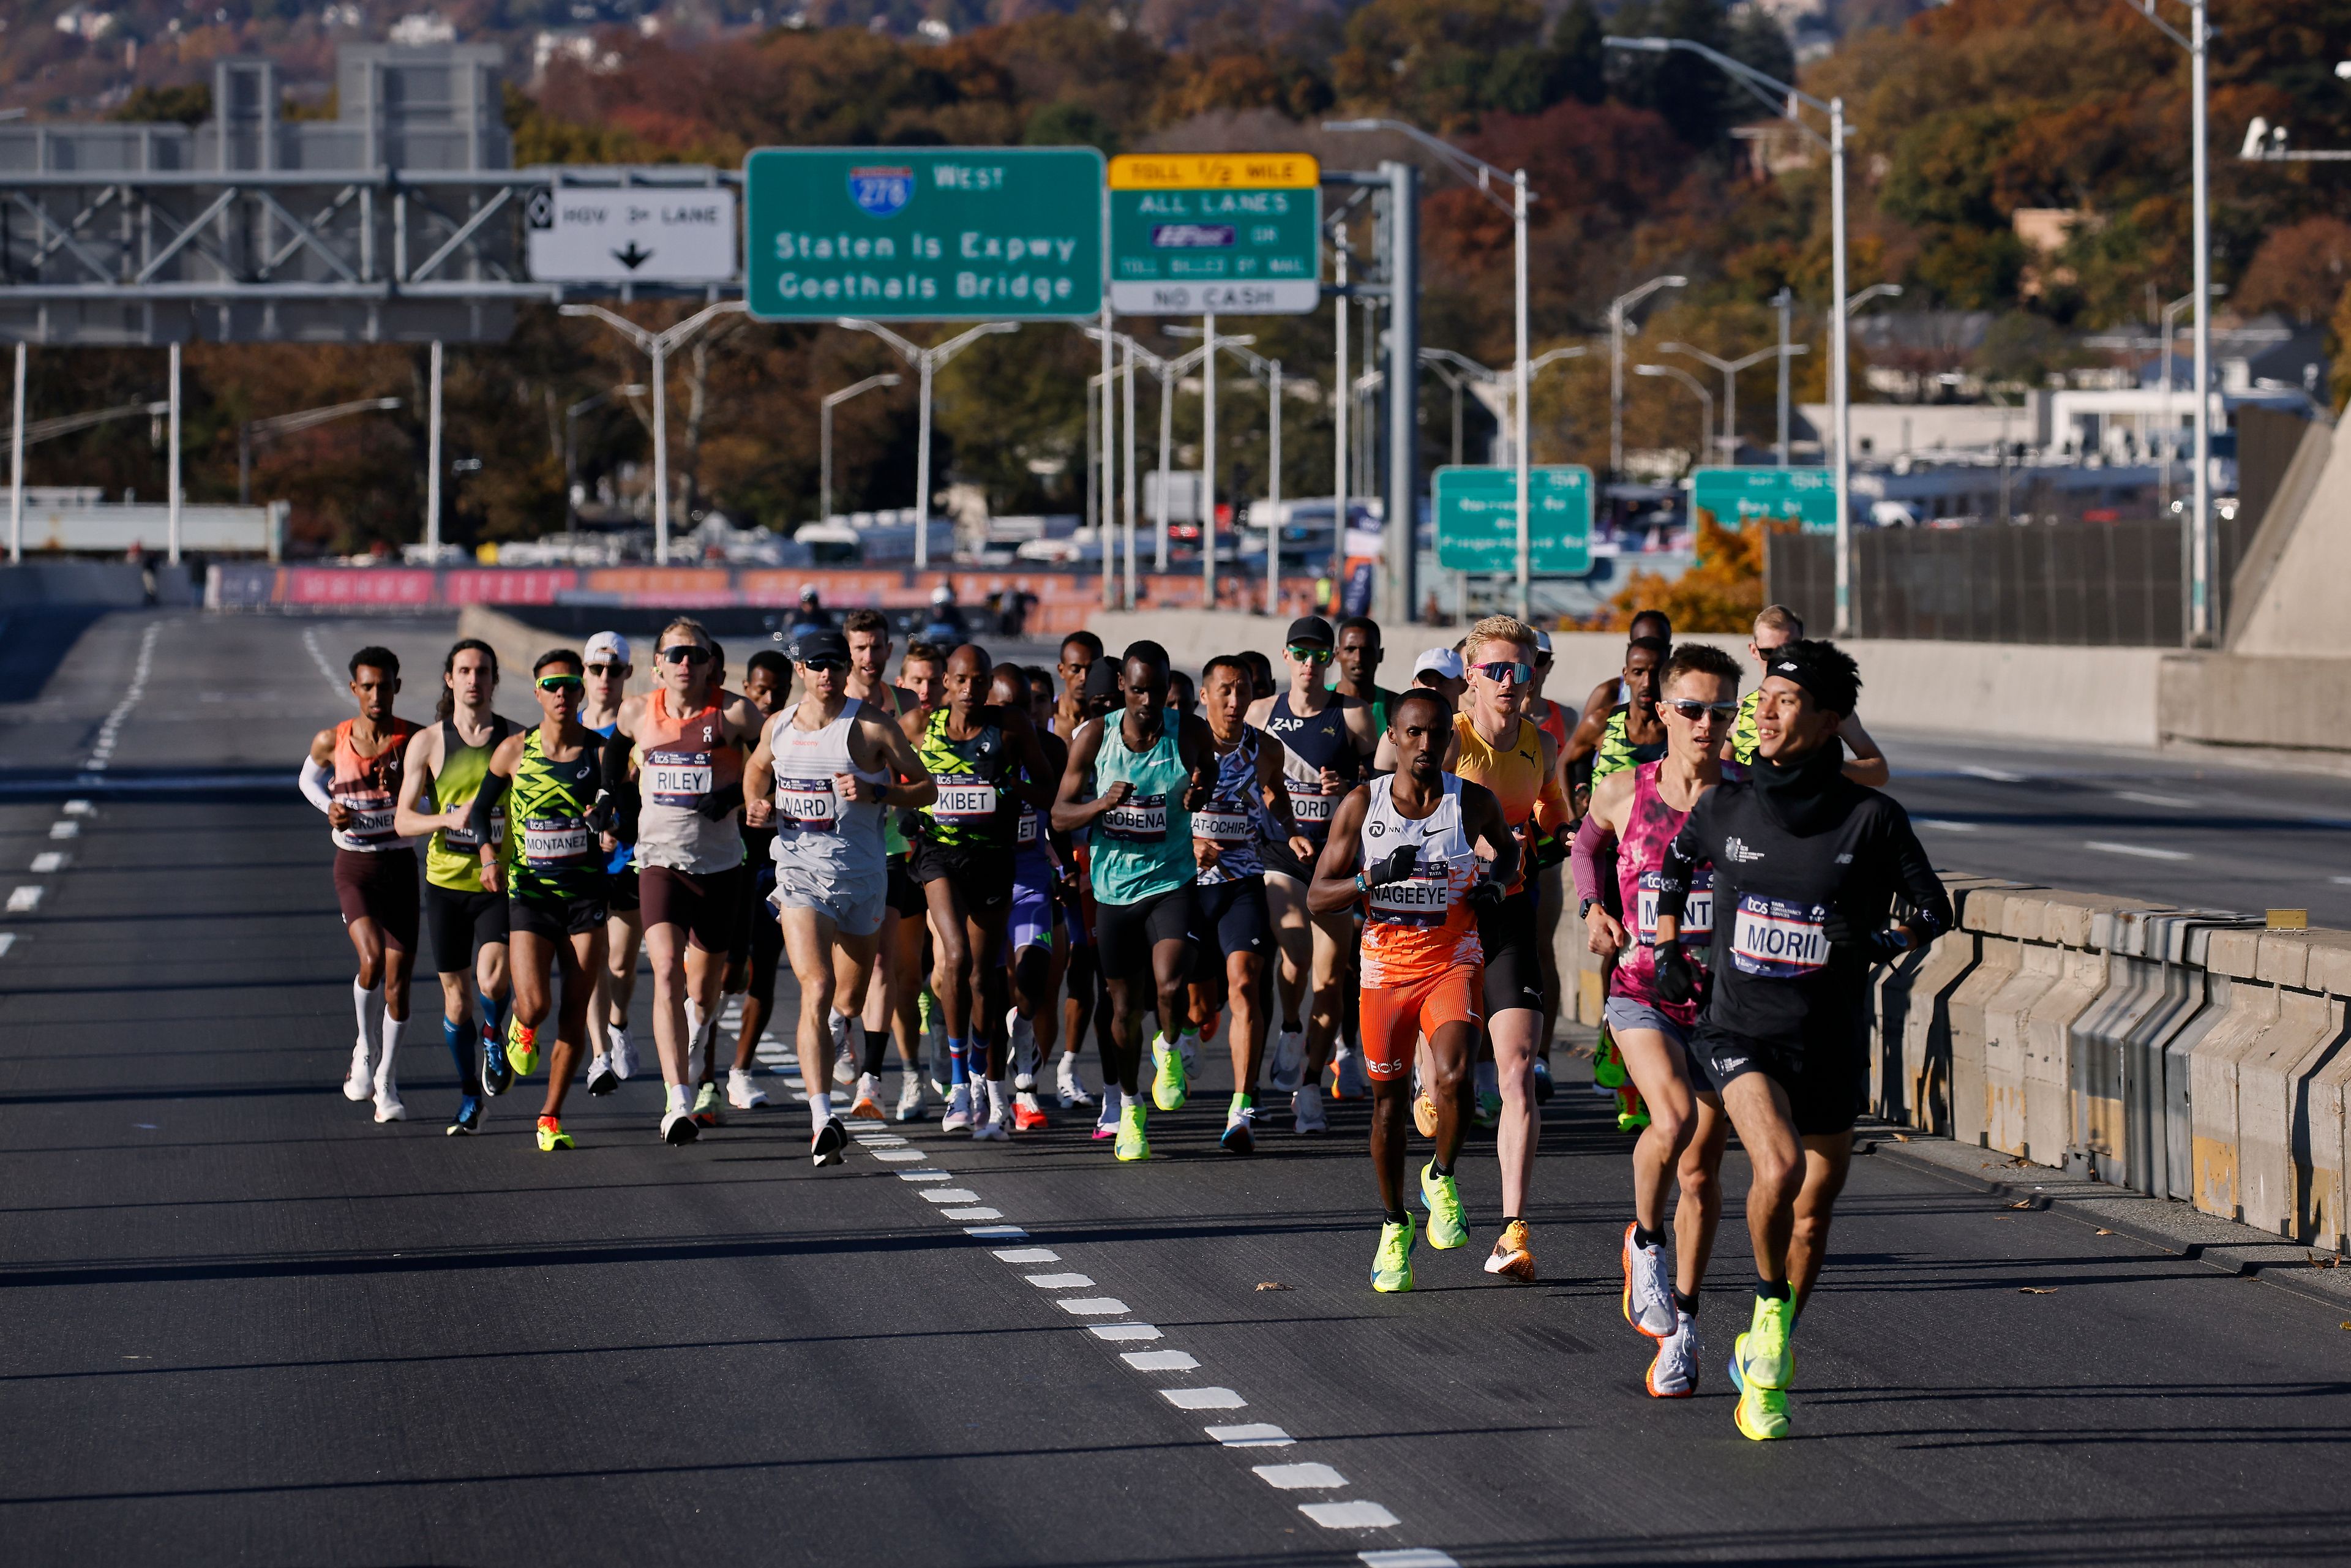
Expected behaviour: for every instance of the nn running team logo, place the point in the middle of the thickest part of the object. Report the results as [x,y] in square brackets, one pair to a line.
[881,193]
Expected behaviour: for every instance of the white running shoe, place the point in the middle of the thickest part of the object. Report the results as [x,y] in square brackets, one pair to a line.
[1021,1044]
[625,1054]
[1306,1107]
[1072,1087]
[741,1092]
[958,1117]
[1287,1069]
[1187,1042]
[678,1126]
[1106,1124]
[826,1144]
[1674,1374]
[1648,1292]
[844,1058]
[359,1082]
[996,1121]
[1348,1074]
[388,1107]
[910,1098]
[602,1078]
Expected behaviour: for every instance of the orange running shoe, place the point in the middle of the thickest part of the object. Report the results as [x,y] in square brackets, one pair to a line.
[1513,1256]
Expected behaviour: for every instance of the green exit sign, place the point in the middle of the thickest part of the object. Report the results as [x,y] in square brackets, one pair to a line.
[1740,496]
[926,234]
[1477,519]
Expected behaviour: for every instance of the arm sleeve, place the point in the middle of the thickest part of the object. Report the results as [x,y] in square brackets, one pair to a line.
[1915,875]
[313,778]
[493,791]
[1683,856]
[1591,840]
[613,759]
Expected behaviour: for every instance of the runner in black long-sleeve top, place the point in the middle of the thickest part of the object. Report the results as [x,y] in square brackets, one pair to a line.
[1807,865]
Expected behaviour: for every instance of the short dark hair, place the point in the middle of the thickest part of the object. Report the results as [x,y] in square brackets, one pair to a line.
[558,656]
[773,662]
[1419,693]
[1014,676]
[1147,651]
[1083,639]
[1363,623]
[1185,696]
[1039,679]
[376,658]
[1701,659]
[1232,662]
[1826,671]
[866,619]
[1655,617]
[919,652]
[1657,645]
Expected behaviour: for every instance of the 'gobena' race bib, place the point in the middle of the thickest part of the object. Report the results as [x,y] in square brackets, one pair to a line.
[807,805]
[678,777]
[1778,940]
[1221,827]
[1142,820]
[971,803]
[553,842]
[1697,910]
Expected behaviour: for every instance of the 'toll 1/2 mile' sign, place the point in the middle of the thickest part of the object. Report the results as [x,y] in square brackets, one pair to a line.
[925,233]
[1194,234]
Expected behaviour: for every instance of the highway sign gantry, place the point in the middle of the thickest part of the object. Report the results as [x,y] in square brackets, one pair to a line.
[1739,496]
[925,233]
[1477,513]
[1215,233]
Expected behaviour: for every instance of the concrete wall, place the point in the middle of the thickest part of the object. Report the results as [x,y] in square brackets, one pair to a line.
[2294,605]
[109,584]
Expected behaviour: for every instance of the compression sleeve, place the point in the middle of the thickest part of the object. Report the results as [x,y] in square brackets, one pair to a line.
[313,779]
[493,791]
[1592,839]
[613,759]
[1914,874]
[1683,857]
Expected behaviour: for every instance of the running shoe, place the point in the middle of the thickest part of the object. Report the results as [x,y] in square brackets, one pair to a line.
[1542,1081]
[867,1106]
[844,1068]
[709,1110]
[1347,1074]
[1648,1293]
[958,1118]
[1306,1111]
[1608,1073]
[825,1147]
[991,1114]
[1027,1116]
[1392,1264]
[1632,1111]
[1021,1044]
[1072,1088]
[1134,1144]
[625,1054]
[1287,1071]
[1171,1084]
[1106,1124]
[469,1116]
[358,1084]
[746,1096]
[496,1076]
[1764,1364]
[1187,1045]
[551,1135]
[602,1078]
[678,1126]
[1489,1111]
[1241,1129]
[522,1048]
[1441,1196]
[910,1097]
[388,1107]
[1673,1373]
[1514,1255]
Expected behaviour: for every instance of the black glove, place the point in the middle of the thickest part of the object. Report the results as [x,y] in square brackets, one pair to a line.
[1399,866]
[719,803]
[1877,946]
[1551,849]
[1678,981]
[604,814]
[1485,894]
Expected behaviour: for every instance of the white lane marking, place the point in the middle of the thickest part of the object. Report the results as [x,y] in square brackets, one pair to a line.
[49,861]
[1252,1434]
[7,940]
[973,1213]
[80,808]
[1349,1515]
[325,666]
[1160,1360]
[995,1232]
[1944,825]
[950,1194]
[1998,776]
[25,899]
[2177,802]
[1115,1331]
[2144,852]
[895,1155]
[101,755]
[880,1140]
[2340,880]
[1301,1477]
[1093,1306]
[1203,1398]
[1060,1281]
[923,1176]
[1406,1557]
[1027,1255]
[68,829]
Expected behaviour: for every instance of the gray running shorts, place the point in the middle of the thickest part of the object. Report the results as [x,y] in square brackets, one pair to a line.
[852,903]
[1623,1013]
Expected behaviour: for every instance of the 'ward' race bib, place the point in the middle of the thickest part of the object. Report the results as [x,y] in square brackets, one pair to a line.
[809,805]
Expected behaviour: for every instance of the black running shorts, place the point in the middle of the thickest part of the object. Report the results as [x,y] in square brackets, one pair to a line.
[554,919]
[982,874]
[1126,933]
[462,924]
[1512,935]
[1822,1083]
[1231,917]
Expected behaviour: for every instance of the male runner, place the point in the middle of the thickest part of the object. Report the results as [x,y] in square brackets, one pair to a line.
[444,770]
[550,865]
[1630,732]
[352,774]
[1358,667]
[1081,651]
[1557,721]
[1806,863]
[1633,816]
[1088,1002]
[1439,670]
[758,939]
[1140,779]
[1407,844]
[1327,738]
[613,1058]
[889,1011]
[1612,693]
[1495,744]
[1035,954]
[1775,627]
[823,775]
[684,742]
[1234,920]
[987,764]
[1262,684]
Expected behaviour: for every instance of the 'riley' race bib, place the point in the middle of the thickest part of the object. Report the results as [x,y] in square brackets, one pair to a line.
[808,805]
[1141,820]
[1697,910]
[1774,939]
[678,777]
[553,842]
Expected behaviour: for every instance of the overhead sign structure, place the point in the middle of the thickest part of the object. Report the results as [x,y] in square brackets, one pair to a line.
[1215,233]
[633,233]
[928,234]
[1478,520]
[1739,496]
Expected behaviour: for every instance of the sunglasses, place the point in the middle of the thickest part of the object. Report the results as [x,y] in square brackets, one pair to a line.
[827,664]
[1512,671]
[684,653]
[562,684]
[1311,655]
[1695,711]
[608,669]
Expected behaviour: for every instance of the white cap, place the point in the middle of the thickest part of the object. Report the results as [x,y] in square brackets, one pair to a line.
[1446,662]
[1543,642]
[609,645]
[942,594]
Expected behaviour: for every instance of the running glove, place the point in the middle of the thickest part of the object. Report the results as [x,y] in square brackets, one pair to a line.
[1485,894]
[604,813]
[1679,979]
[1398,866]
[716,805]
[1877,946]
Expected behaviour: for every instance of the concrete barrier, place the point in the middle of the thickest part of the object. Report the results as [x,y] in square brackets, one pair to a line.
[109,584]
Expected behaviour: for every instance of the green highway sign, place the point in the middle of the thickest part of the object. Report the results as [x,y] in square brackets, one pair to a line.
[1804,495]
[1205,234]
[925,233]
[1477,519]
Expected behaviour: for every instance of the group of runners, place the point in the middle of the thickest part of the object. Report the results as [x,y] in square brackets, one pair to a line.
[976,865]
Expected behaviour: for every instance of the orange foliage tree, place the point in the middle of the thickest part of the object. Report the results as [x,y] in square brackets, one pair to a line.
[1722,592]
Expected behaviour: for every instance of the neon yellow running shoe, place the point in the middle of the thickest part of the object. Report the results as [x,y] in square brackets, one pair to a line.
[1632,1111]
[1608,1063]
[1170,1087]
[522,1048]
[1392,1264]
[1441,1196]
[1133,1142]
[1764,1364]
[551,1135]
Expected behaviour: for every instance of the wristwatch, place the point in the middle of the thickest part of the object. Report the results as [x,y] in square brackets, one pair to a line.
[1583,908]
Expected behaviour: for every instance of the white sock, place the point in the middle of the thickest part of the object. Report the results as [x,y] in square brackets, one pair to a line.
[385,1083]
[367,1001]
[677,1097]
[820,1110]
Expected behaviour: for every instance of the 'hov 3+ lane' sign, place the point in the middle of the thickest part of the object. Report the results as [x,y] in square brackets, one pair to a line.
[632,234]
[1215,233]
[925,233]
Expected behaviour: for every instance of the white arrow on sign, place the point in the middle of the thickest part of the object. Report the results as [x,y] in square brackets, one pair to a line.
[634,234]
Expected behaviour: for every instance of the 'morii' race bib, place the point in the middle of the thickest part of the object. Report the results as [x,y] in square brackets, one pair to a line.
[1778,940]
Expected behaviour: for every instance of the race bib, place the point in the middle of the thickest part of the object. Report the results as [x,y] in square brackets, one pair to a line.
[556,841]
[1310,807]
[678,777]
[1425,898]
[368,821]
[1026,833]
[1697,910]
[808,805]
[1221,827]
[1778,940]
[464,838]
[1142,820]
[971,803]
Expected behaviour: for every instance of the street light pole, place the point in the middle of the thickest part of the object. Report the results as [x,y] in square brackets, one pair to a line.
[1705,403]
[926,361]
[254,430]
[1783,299]
[433,461]
[824,435]
[1340,397]
[1619,308]
[17,466]
[657,346]
[1729,369]
[1131,350]
[171,466]
[2199,603]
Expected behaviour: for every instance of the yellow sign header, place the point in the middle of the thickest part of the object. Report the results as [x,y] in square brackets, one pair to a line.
[1214,171]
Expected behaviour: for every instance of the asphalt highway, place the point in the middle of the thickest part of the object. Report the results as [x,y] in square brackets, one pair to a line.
[245,1324]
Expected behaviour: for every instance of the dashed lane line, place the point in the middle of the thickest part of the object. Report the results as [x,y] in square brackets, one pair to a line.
[2142,852]
[25,899]
[49,861]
